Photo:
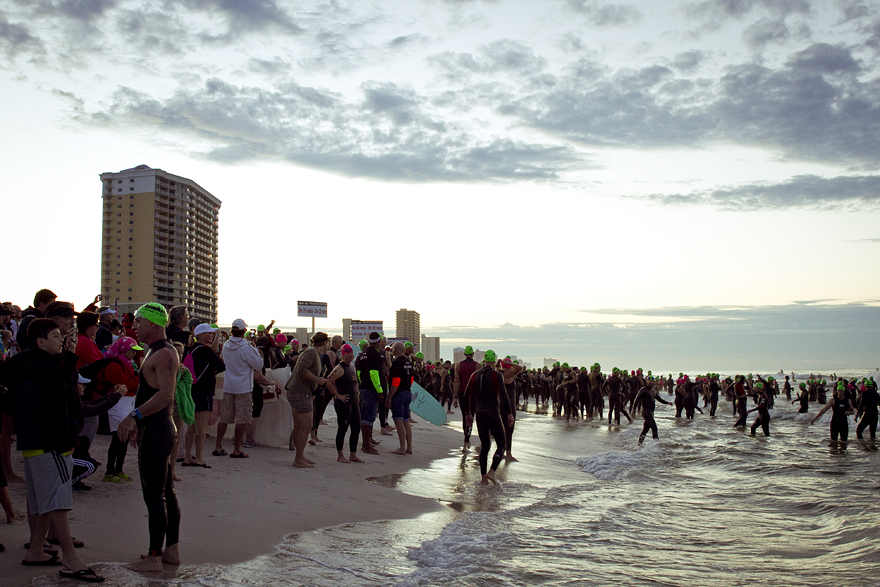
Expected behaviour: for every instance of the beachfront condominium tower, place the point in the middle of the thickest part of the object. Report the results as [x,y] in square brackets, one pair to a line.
[431,347]
[409,326]
[159,242]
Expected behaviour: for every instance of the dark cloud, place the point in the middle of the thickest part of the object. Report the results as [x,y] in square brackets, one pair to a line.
[715,9]
[17,39]
[689,60]
[853,9]
[83,10]
[152,33]
[765,31]
[242,16]
[824,58]
[388,135]
[606,14]
[803,191]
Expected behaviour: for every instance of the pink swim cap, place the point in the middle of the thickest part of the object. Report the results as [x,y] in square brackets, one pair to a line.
[280,338]
[346,348]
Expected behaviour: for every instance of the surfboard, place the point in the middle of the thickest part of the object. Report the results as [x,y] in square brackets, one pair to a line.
[424,405]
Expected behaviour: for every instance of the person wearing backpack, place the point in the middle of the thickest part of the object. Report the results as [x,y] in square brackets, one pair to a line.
[204,363]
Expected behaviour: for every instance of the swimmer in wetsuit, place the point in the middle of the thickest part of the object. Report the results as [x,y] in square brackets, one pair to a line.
[804,398]
[510,370]
[868,410]
[840,407]
[763,409]
[740,405]
[645,398]
[485,393]
[463,371]
[615,387]
[155,437]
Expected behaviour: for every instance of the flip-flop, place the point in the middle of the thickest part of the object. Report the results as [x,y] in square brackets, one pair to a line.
[76,543]
[240,455]
[220,453]
[203,465]
[51,562]
[87,575]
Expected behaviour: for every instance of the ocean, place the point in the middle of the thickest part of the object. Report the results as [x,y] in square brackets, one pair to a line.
[704,505]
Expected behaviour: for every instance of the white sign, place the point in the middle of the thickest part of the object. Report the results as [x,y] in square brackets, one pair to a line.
[312,309]
[360,329]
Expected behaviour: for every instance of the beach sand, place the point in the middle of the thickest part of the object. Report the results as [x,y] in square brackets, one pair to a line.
[240,508]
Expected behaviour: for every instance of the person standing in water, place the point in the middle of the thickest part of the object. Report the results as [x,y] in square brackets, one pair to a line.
[485,393]
[463,371]
[510,370]
[645,398]
[841,408]
[763,409]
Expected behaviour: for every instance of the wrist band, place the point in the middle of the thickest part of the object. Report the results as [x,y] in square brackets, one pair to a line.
[137,414]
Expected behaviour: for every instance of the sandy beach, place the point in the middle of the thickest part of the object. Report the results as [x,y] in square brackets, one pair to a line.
[237,510]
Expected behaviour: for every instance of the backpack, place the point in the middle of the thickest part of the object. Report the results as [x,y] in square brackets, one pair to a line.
[191,366]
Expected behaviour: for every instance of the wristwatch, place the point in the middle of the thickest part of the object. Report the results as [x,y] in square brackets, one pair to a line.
[135,414]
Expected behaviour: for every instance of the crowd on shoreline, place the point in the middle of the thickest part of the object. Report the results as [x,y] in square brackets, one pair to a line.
[66,375]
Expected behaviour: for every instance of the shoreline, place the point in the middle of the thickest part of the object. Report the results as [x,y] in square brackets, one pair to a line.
[239,509]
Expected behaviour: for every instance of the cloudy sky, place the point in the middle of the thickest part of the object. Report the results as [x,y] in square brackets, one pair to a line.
[688,182]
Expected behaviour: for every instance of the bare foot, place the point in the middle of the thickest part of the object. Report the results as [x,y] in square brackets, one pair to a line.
[354,458]
[385,432]
[14,518]
[147,564]
[371,451]
[303,465]
[511,458]
[312,442]
[309,461]
[399,451]
[409,452]
[175,477]
[341,459]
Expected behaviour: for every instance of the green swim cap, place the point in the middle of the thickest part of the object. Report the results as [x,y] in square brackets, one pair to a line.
[468,350]
[261,327]
[614,369]
[214,325]
[408,345]
[759,385]
[154,312]
[565,365]
[420,355]
[363,344]
[276,330]
[288,348]
[516,361]
[489,356]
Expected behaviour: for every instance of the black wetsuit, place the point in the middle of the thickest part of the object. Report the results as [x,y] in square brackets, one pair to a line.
[763,419]
[486,395]
[157,436]
[646,397]
[348,414]
[839,421]
[868,408]
[714,389]
[615,399]
[510,388]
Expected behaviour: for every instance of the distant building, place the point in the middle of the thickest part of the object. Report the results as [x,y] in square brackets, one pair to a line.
[409,327]
[159,242]
[346,329]
[431,347]
[458,354]
[302,335]
[549,362]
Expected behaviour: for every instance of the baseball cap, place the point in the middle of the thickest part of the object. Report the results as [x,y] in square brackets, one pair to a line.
[154,312]
[489,356]
[203,328]
[374,337]
[468,350]
[239,324]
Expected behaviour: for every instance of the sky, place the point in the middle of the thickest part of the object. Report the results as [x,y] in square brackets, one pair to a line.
[688,183]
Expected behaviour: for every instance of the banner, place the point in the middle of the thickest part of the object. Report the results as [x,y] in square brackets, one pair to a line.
[312,309]
[360,329]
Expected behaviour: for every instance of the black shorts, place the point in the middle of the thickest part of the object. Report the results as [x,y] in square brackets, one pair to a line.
[204,403]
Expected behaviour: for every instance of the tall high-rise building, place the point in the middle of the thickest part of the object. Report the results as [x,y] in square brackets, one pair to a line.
[431,347]
[346,329]
[409,326]
[159,242]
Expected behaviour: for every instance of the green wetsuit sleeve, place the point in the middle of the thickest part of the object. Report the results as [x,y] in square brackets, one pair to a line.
[377,385]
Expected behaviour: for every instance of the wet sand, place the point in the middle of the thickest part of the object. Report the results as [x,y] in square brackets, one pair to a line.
[240,508]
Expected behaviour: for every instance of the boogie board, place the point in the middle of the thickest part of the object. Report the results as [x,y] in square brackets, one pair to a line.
[424,405]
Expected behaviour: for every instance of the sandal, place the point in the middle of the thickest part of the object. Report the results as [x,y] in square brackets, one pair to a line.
[220,453]
[87,575]
[76,543]
[240,455]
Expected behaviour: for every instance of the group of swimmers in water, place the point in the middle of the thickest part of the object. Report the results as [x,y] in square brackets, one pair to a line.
[491,393]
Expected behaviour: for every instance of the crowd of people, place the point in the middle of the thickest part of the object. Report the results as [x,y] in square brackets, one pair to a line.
[66,376]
